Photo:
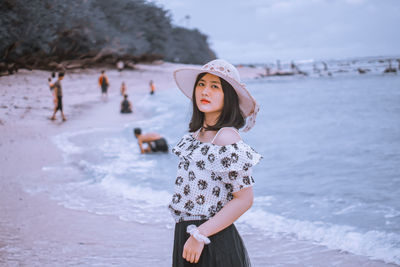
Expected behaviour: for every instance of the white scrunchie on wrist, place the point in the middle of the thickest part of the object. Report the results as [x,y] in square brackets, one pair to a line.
[192,230]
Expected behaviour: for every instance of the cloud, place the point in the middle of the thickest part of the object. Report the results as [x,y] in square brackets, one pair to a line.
[283,5]
[355,2]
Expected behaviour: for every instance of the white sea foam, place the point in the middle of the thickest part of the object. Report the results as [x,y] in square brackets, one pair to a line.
[62,141]
[115,197]
[391,213]
[264,200]
[374,244]
[146,195]
[347,209]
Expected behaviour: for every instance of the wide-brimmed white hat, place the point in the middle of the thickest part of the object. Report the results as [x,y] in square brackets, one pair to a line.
[186,77]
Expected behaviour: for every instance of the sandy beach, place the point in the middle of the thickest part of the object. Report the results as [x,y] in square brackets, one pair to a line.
[35,230]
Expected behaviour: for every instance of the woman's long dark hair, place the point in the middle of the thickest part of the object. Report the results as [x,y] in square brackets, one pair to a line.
[230,116]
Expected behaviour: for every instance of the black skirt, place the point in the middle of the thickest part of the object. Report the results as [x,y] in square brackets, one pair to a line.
[225,250]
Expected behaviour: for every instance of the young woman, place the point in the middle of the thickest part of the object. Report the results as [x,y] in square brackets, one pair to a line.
[213,186]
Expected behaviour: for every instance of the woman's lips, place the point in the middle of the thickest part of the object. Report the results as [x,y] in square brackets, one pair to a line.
[203,101]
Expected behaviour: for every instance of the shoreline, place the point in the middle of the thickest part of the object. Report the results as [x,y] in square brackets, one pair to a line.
[36,230]
[31,223]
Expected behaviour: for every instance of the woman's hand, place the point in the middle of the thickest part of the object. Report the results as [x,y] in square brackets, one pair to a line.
[192,250]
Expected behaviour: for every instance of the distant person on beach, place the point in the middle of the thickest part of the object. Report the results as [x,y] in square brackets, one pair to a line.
[103,82]
[52,79]
[58,97]
[123,89]
[152,87]
[154,141]
[120,65]
[214,184]
[126,106]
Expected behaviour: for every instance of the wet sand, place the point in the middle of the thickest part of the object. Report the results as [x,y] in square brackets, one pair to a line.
[36,231]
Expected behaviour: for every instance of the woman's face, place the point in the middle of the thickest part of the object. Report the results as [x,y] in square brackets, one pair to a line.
[209,94]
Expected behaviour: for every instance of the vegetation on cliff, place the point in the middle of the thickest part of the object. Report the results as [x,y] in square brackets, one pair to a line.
[52,34]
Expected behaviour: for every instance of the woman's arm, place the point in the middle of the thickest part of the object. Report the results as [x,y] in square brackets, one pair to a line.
[241,202]
[232,210]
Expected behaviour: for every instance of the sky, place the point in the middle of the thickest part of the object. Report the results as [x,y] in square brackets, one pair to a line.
[259,31]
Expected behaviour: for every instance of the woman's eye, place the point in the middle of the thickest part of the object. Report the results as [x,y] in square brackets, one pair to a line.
[200,84]
[215,86]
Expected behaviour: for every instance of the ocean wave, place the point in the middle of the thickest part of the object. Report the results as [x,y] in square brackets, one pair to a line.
[111,196]
[146,195]
[62,141]
[374,244]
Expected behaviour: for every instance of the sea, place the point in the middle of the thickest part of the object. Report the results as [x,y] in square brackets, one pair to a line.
[330,173]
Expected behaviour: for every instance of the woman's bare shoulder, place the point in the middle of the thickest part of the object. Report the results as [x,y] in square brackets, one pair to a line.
[227,136]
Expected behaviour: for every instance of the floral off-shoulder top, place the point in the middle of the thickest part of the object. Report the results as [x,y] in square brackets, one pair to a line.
[208,175]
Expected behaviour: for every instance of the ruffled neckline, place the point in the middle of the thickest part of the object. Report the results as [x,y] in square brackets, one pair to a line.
[208,143]
[236,156]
